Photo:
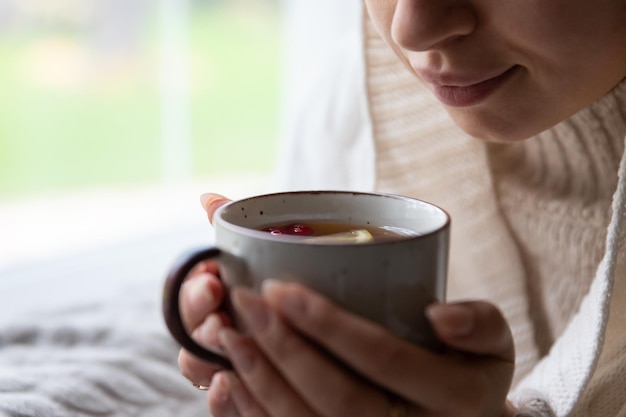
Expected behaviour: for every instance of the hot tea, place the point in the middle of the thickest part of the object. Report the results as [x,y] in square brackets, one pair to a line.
[390,278]
[331,232]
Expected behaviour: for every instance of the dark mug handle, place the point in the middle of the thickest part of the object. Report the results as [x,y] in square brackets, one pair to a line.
[171,305]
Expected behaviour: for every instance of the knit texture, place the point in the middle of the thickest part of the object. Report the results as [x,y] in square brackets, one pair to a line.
[105,359]
[515,212]
[583,375]
[557,188]
[579,310]
[533,405]
[421,153]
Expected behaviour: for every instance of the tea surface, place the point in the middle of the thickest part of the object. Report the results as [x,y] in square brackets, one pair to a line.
[342,232]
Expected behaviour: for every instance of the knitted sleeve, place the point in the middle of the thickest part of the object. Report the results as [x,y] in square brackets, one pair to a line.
[605,393]
[585,372]
[551,385]
[533,405]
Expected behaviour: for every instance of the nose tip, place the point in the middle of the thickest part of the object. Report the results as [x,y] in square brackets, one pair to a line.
[422,25]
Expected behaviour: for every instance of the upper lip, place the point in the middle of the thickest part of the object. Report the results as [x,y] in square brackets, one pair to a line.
[458,79]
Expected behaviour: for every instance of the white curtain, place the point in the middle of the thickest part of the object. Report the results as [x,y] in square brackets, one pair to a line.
[325,135]
[311,28]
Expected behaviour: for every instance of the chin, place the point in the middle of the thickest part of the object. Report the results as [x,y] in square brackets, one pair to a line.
[497,128]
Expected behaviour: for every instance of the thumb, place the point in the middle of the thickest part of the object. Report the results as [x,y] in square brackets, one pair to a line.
[211,202]
[475,327]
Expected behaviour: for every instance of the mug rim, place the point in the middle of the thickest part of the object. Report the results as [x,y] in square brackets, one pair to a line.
[259,234]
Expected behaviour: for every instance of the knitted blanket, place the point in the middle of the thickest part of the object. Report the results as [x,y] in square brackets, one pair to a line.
[86,338]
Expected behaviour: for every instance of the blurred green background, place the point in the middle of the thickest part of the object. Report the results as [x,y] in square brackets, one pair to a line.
[80,107]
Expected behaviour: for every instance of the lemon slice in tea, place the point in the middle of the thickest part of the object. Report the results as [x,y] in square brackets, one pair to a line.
[353,236]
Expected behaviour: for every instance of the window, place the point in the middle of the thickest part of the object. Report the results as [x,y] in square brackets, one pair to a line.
[116,115]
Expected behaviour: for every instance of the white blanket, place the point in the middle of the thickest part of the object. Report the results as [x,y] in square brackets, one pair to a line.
[83,336]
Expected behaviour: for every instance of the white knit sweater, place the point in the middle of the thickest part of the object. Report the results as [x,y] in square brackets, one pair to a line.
[538,227]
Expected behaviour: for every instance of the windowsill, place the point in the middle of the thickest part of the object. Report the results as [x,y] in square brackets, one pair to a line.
[47,227]
[89,247]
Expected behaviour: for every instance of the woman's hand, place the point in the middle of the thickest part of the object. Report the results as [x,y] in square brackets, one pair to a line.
[201,296]
[307,357]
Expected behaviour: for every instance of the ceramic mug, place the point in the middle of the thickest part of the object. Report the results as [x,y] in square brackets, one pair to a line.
[389,282]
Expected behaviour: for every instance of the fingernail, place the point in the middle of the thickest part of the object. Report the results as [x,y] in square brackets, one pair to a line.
[211,202]
[238,349]
[454,320]
[288,301]
[251,308]
[198,291]
[207,198]
[207,333]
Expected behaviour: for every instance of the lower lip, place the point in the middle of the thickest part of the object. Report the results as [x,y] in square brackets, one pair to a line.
[473,94]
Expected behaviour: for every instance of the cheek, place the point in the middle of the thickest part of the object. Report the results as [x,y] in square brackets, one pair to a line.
[381,13]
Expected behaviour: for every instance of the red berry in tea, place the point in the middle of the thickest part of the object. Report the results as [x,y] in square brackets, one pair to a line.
[300,230]
[297,229]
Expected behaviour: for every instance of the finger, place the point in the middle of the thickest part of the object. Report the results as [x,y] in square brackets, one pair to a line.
[415,373]
[324,384]
[211,202]
[263,382]
[200,295]
[219,400]
[244,402]
[208,267]
[193,368]
[473,327]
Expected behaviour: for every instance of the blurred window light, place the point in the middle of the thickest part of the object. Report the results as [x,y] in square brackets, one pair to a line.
[115,94]
[175,91]
[111,92]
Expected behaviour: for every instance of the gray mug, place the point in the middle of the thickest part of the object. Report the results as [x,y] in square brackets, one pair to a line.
[389,282]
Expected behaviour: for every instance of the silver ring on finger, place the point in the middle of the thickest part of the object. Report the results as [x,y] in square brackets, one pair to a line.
[200,387]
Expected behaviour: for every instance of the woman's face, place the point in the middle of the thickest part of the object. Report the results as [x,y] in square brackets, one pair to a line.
[508,69]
